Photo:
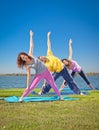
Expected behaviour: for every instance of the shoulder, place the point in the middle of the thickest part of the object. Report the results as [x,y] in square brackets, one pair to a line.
[73,61]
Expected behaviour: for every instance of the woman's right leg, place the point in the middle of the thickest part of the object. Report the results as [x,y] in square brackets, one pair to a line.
[70,81]
[34,83]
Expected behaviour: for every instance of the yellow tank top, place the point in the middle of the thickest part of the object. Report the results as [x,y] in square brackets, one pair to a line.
[54,64]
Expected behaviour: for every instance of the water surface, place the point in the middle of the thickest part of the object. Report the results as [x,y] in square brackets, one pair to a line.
[20,82]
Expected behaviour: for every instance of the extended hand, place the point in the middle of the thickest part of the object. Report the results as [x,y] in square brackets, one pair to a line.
[48,34]
[70,41]
[31,33]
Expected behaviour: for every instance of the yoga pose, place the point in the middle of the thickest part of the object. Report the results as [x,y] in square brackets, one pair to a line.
[41,71]
[55,65]
[73,65]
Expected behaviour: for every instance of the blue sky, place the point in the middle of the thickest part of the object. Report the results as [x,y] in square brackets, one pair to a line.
[76,19]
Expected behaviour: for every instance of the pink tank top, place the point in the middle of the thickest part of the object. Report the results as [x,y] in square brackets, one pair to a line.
[75,66]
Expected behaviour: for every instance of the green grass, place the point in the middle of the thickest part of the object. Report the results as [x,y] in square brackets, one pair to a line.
[82,114]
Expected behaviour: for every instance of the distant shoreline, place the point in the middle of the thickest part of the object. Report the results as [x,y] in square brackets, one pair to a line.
[14,74]
[19,74]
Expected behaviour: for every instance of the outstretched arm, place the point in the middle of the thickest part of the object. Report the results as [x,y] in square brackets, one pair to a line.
[28,76]
[70,50]
[48,41]
[31,44]
[28,82]
[62,86]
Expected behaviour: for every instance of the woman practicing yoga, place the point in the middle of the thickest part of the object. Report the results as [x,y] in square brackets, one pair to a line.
[41,71]
[55,65]
[74,67]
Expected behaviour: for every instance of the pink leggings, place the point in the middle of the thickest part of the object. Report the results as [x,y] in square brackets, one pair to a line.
[37,78]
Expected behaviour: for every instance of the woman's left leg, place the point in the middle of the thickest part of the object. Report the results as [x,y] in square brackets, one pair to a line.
[34,83]
[83,75]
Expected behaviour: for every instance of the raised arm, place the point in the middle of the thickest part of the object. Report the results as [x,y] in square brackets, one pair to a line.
[31,44]
[70,50]
[31,54]
[48,41]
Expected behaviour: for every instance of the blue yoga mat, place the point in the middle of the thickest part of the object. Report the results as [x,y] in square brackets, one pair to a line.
[62,93]
[36,99]
[67,93]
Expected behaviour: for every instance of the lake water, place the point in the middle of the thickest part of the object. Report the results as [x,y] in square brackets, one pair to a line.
[20,82]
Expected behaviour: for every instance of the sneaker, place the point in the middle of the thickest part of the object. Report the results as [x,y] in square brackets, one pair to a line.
[40,93]
[61,98]
[20,100]
[81,93]
[60,90]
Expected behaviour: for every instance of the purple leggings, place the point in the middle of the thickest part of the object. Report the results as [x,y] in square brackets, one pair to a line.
[37,78]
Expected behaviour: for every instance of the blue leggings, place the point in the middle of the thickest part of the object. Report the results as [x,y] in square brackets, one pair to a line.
[82,74]
[65,74]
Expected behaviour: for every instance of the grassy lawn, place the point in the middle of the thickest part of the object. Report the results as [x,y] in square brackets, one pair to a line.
[82,114]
